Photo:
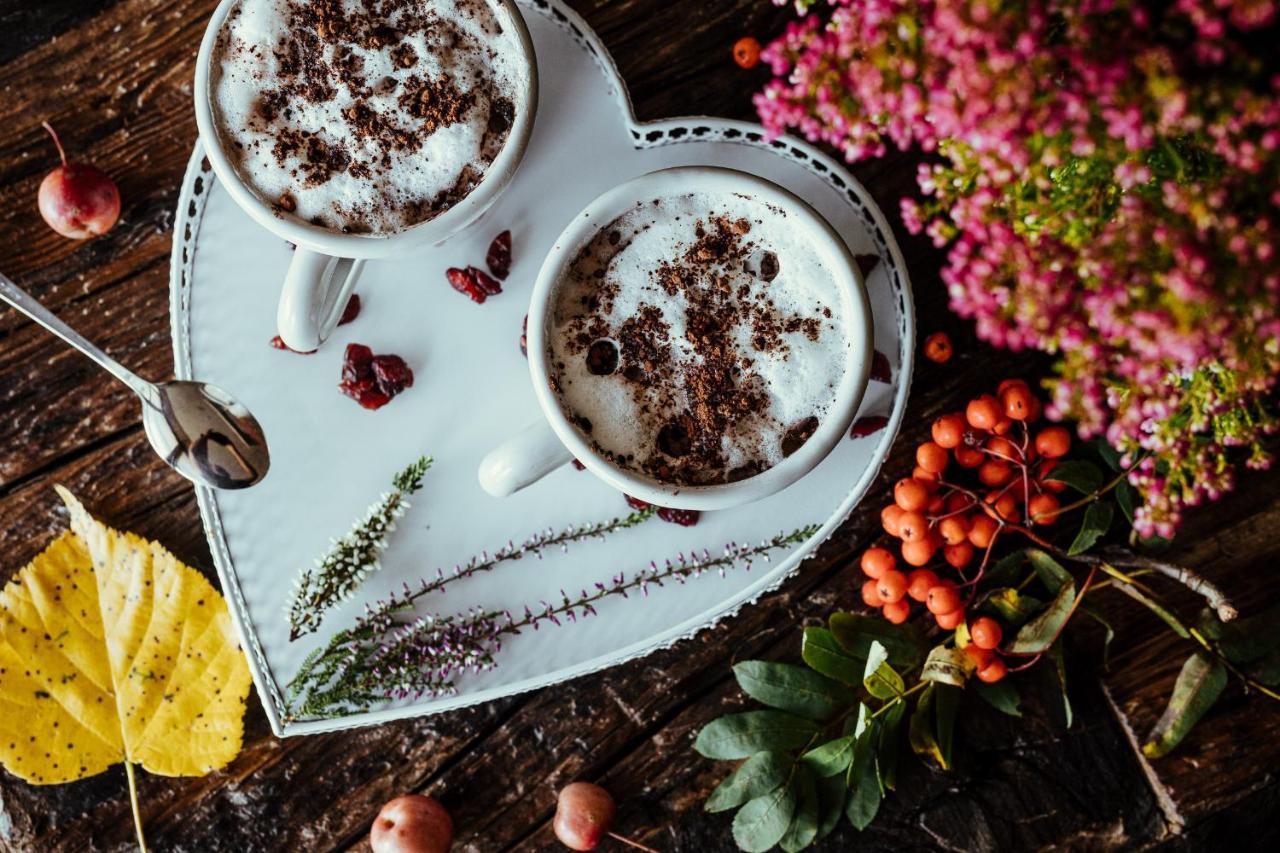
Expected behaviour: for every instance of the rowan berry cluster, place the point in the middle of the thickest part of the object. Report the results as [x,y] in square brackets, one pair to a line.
[985,470]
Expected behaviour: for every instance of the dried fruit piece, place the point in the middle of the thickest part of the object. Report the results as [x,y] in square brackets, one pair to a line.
[372,381]
[682,517]
[881,370]
[352,311]
[636,503]
[863,427]
[498,258]
[278,343]
[465,283]
[487,282]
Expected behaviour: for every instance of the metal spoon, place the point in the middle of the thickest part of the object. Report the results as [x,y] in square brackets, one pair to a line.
[201,431]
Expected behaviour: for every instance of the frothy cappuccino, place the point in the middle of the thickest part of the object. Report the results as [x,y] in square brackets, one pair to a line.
[698,339]
[365,116]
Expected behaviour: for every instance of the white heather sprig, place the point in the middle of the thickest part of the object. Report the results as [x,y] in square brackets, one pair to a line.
[340,571]
[390,655]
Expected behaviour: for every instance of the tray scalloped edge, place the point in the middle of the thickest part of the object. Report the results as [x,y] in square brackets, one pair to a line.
[649,134]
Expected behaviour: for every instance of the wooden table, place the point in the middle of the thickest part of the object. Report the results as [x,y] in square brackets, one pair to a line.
[115,77]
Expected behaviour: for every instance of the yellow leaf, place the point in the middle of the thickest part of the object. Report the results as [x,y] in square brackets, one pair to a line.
[112,650]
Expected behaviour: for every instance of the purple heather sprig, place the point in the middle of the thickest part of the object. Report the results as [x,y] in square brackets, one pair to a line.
[385,657]
[1106,181]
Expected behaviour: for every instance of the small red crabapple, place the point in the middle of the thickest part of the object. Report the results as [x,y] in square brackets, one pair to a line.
[412,823]
[584,815]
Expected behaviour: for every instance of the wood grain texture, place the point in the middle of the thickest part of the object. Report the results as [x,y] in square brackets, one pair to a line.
[115,78]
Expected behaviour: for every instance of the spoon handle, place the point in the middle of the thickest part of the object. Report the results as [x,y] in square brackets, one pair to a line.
[20,299]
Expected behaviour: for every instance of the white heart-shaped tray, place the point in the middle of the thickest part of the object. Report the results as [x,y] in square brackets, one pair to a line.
[331,459]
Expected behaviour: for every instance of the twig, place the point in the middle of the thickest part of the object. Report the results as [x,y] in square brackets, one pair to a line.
[1215,597]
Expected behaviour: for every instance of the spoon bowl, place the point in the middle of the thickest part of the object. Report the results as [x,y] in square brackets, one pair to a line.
[206,435]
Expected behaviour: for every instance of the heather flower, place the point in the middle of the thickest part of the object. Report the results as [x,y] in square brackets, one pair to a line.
[1107,183]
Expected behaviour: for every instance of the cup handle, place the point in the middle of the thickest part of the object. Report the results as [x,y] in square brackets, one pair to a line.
[316,290]
[522,460]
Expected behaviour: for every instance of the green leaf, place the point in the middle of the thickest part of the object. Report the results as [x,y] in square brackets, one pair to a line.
[831,758]
[1084,477]
[862,778]
[1097,521]
[946,701]
[804,824]
[1005,571]
[1174,623]
[743,735]
[879,678]
[946,666]
[761,823]
[1197,688]
[832,793]
[1244,640]
[823,652]
[1059,658]
[1012,606]
[792,688]
[1002,696]
[1109,454]
[1036,636]
[1126,498]
[856,632]
[755,777]
[888,748]
[920,731]
[1049,570]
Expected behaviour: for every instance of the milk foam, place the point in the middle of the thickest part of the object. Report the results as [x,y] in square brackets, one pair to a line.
[386,187]
[798,376]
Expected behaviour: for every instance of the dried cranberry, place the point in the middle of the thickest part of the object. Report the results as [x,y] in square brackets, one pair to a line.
[487,282]
[881,370]
[868,425]
[524,337]
[682,517]
[636,503]
[499,257]
[579,466]
[392,373]
[465,283]
[372,381]
[352,311]
[866,263]
[278,343]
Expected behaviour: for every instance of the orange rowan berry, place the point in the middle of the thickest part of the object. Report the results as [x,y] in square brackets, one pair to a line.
[929,478]
[919,582]
[942,598]
[913,526]
[993,671]
[889,519]
[919,552]
[897,612]
[982,529]
[1007,507]
[957,501]
[1046,468]
[982,412]
[978,658]
[1042,509]
[1006,384]
[1053,442]
[1037,409]
[746,52]
[949,621]
[877,561]
[969,457]
[948,431]
[1002,426]
[985,632]
[995,472]
[911,494]
[892,586]
[954,529]
[937,348]
[1016,402]
[932,456]
[959,555]
[871,594]
[1004,449]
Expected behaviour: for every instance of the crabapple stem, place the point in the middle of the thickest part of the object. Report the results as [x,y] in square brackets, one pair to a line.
[56,141]
[636,844]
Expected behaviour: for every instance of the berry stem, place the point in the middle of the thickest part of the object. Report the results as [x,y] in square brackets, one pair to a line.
[1088,581]
[56,141]
[627,841]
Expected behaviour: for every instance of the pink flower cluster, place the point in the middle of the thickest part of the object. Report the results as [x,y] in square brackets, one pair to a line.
[1106,174]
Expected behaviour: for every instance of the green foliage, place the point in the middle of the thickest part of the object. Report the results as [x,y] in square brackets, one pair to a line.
[792,688]
[1084,477]
[1097,521]
[1036,636]
[1199,685]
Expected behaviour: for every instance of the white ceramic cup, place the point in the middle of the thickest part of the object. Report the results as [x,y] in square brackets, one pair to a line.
[327,263]
[554,440]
